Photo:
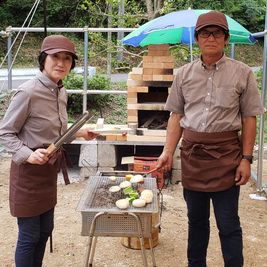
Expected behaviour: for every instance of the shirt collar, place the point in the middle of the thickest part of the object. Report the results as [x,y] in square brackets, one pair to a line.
[52,86]
[216,66]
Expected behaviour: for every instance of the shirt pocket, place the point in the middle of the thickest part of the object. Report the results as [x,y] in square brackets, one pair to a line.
[192,95]
[226,97]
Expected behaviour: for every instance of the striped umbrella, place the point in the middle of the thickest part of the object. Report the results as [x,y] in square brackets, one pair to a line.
[178,27]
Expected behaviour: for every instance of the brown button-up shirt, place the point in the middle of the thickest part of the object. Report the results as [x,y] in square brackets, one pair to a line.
[36,116]
[214,100]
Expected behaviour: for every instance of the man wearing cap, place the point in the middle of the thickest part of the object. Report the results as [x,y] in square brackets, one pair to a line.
[213,102]
[36,117]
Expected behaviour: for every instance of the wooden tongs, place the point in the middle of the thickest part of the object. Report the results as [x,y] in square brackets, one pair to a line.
[66,137]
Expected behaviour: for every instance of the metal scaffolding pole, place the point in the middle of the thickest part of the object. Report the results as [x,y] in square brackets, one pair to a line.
[84,30]
[263,98]
[85,68]
[109,56]
[120,35]
[38,29]
[9,62]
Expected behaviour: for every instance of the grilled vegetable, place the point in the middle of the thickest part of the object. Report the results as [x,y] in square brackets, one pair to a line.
[125,184]
[138,178]
[112,178]
[122,203]
[147,195]
[133,194]
[139,203]
[114,189]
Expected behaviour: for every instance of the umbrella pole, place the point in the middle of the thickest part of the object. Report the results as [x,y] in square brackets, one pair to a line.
[191,44]
[233,51]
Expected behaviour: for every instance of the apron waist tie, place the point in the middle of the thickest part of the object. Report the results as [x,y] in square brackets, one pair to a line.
[62,161]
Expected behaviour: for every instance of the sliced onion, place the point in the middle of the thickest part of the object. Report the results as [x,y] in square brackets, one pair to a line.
[138,178]
[114,189]
[122,203]
[139,203]
[125,184]
[112,178]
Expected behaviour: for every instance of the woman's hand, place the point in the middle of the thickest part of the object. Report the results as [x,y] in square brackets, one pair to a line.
[39,156]
[86,134]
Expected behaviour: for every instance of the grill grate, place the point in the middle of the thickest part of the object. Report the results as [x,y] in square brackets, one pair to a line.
[120,223]
[96,183]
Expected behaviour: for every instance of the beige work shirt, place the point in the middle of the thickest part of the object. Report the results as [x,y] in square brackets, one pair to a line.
[214,100]
[36,117]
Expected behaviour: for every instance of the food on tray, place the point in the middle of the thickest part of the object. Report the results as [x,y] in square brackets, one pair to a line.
[128,191]
[122,203]
[128,177]
[114,188]
[139,203]
[138,178]
[125,184]
[131,193]
[147,195]
[112,178]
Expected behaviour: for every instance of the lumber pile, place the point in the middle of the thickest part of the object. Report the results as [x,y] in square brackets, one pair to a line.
[148,89]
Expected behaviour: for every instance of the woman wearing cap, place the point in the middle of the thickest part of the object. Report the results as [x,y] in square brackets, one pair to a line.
[36,116]
[211,100]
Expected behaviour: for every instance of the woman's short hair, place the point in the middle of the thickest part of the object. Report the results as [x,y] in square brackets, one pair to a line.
[41,60]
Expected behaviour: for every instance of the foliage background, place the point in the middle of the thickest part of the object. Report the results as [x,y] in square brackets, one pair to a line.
[104,13]
[95,14]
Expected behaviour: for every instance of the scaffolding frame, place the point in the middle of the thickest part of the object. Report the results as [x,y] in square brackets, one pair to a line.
[85,30]
[261,189]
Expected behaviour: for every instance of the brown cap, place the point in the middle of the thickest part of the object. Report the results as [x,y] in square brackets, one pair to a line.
[58,43]
[212,18]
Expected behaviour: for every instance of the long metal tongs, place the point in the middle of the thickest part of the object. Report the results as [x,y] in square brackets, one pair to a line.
[69,133]
[149,172]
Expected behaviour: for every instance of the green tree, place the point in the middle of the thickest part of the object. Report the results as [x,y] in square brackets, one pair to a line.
[250,13]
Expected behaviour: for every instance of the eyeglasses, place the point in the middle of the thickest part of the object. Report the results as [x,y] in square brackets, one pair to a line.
[216,34]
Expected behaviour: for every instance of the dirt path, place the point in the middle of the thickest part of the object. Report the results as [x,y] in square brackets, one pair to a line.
[70,246]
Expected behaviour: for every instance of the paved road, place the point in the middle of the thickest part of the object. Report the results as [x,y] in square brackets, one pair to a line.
[21,75]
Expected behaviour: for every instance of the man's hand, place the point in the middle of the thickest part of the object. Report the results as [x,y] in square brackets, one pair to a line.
[165,161]
[39,156]
[243,172]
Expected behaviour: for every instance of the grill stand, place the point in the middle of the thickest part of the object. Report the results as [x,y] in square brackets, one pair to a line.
[93,238]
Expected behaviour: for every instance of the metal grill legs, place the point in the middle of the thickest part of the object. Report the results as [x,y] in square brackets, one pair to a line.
[92,240]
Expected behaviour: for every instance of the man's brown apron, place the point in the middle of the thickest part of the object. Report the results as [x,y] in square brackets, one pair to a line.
[209,160]
[33,188]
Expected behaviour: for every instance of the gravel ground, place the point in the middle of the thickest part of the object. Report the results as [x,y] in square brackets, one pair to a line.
[70,247]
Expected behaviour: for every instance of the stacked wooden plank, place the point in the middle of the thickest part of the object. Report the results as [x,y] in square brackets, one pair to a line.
[153,79]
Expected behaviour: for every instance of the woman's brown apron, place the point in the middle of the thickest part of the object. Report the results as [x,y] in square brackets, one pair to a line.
[33,188]
[209,160]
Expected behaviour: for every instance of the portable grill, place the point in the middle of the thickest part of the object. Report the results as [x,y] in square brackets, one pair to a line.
[111,221]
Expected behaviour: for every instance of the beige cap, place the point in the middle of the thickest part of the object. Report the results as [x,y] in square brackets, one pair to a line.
[58,43]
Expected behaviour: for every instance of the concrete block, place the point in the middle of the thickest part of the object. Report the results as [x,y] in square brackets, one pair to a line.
[176,163]
[107,156]
[177,152]
[105,169]
[176,176]
[88,155]
[86,172]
